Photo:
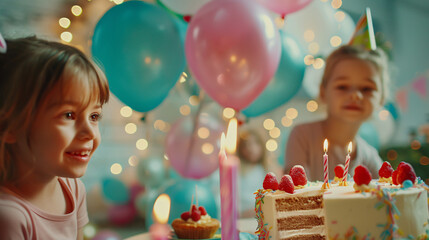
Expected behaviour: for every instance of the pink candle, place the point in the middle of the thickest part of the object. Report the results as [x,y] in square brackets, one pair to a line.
[346,168]
[228,169]
[325,165]
[161,210]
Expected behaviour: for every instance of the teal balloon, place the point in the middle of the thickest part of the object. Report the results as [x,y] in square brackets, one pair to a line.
[392,110]
[140,46]
[180,193]
[286,82]
[115,191]
[369,133]
[151,172]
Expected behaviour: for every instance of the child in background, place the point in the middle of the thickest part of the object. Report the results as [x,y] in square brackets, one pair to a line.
[354,86]
[51,97]
[254,165]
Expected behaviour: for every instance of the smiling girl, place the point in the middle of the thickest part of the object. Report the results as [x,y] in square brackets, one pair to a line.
[354,86]
[51,97]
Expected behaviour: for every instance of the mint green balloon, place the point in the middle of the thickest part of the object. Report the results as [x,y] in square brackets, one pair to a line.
[140,46]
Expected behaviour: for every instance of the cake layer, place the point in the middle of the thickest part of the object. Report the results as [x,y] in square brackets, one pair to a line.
[299,222]
[299,203]
[306,237]
[306,234]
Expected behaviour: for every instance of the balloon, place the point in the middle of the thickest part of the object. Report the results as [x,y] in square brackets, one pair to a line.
[140,47]
[181,193]
[121,215]
[233,50]
[184,7]
[115,191]
[190,155]
[151,171]
[284,7]
[142,202]
[286,82]
[319,19]
[107,235]
[369,133]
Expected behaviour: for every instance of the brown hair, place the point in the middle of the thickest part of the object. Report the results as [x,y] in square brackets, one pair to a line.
[243,137]
[29,70]
[377,57]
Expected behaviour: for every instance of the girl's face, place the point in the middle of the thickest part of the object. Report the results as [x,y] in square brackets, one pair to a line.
[251,149]
[63,135]
[353,91]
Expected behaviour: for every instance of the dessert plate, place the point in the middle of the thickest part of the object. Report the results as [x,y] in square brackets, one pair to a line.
[216,236]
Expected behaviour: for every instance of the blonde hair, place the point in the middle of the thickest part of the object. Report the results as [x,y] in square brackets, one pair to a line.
[29,70]
[376,57]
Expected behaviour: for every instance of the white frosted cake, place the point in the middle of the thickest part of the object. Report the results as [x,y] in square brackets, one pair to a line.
[365,209]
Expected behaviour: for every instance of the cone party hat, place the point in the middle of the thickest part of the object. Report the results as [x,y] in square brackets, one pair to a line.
[364,32]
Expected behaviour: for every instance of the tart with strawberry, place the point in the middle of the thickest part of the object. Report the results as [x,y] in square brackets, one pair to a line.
[195,224]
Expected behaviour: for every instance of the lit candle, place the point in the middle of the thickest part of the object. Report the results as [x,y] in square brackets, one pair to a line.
[325,166]
[346,168]
[161,209]
[228,168]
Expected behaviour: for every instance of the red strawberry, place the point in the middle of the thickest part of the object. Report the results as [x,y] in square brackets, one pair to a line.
[193,208]
[395,177]
[185,216]
[362,175]
[286,184]
[406,172]
[385,170]
[339,171]
[298,175]
[400,165]
[270,181]
[196,215]
[202,210]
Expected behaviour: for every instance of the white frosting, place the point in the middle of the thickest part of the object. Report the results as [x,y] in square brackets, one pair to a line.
[204,219]
[345,208]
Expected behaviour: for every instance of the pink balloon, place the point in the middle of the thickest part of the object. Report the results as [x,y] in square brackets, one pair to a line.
[185,150]
[284,7]
[233,50]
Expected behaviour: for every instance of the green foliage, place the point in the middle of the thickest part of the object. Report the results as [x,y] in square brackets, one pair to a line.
[417,157]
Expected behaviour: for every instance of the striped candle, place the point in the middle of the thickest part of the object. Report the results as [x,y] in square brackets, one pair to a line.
[228,169]
[325,165]
[346,168]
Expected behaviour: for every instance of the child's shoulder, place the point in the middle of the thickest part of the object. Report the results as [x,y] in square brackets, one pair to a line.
[308,127]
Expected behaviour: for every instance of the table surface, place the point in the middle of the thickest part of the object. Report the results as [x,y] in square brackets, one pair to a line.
[244,225]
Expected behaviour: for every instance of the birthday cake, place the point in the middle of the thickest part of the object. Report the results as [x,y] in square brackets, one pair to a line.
[395,208]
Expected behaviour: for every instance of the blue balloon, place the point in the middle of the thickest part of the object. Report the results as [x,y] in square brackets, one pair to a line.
[115,191]
[180,193]
[286,82]
[141,48]
[369,133]
[392,109]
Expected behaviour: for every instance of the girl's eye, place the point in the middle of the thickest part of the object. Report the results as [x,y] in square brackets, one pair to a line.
[69,115]
[95,117]
[367,89]
[342,87]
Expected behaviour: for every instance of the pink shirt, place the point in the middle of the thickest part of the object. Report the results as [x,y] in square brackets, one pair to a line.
[305,147]
[26,221]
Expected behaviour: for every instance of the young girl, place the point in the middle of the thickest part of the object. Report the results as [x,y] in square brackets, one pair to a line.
[50,104]
[254,165]
[353,86]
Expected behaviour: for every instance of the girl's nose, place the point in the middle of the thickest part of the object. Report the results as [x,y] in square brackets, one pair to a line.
[356,94]
[86,130]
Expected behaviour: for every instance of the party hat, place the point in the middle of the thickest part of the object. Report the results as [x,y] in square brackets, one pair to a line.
[364,32]
[2,44]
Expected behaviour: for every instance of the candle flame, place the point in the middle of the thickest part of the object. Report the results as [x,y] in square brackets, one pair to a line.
[325,145]
[349,149]
[161,208]
[231,136]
